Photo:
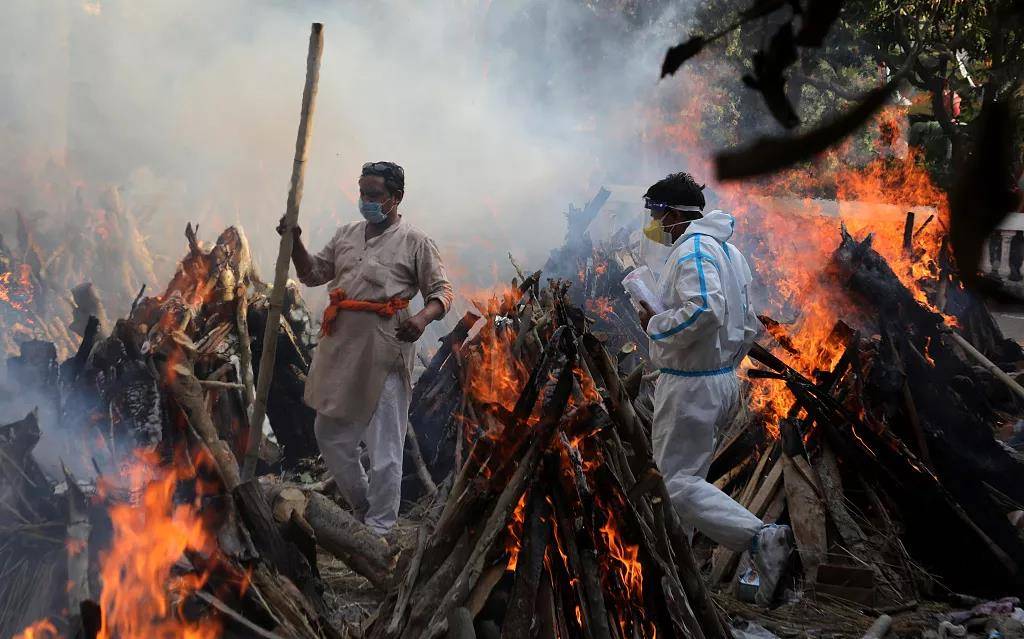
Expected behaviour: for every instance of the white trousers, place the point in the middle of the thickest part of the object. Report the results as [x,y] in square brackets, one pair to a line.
[689,415]
[374,498]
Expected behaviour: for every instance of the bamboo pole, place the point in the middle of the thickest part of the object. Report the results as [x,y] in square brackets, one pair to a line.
[986,363]
[284,254]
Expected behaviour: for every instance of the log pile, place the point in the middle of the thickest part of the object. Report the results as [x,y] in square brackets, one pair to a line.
[173,378]
[554,522]
[886,466]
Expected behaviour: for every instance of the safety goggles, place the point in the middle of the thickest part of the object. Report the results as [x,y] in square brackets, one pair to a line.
[661,207]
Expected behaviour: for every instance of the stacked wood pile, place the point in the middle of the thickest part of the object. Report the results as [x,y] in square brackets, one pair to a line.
[554,523]
[174,378]
[887,467]
[50,253]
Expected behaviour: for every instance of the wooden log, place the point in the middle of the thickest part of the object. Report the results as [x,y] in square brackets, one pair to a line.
[394,625]
[436,586]
[697,593]
[827,467]
[592,628]
[234,616]
[336,531]
[77,546]
[283,556]
[484,588]
[284,254]
[806,516]
[412,447]
[495,524]
[176,372]
[535,539]
[460,624]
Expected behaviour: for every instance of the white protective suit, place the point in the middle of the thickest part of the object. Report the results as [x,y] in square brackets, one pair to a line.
[697,343]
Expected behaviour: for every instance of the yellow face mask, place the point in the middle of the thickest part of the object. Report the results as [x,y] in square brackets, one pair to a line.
[655,232]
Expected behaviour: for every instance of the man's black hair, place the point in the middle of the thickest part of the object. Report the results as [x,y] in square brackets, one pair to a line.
[394,175]
[678,189]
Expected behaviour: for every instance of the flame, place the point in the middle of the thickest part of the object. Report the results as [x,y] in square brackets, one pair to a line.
[41,629]
[497,377]
[17,291]
[514,541]
[790,241]
[628,566]
[149,537]
[600,306]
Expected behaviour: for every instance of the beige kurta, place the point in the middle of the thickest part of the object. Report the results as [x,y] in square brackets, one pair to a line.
[349,366]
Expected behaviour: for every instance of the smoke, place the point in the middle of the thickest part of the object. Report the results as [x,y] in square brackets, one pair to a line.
[502,113]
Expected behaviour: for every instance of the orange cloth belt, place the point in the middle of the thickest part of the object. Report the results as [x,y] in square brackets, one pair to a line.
[339,303]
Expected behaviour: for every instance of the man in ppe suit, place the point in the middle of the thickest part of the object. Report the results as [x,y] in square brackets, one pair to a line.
[704,332]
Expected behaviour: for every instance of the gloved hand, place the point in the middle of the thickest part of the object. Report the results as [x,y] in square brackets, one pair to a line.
[645,313]
[297,230]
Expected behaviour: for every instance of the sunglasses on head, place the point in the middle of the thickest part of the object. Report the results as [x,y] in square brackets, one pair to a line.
[383,167]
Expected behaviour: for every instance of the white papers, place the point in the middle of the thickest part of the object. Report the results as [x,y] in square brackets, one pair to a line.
[641,287]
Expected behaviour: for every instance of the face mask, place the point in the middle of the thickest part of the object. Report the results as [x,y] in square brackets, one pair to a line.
[655,231]
[372,211]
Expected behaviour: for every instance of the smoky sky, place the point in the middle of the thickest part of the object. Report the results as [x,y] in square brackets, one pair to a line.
[502,113]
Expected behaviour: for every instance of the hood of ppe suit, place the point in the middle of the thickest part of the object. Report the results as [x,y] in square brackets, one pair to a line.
[718,224]
[708,324]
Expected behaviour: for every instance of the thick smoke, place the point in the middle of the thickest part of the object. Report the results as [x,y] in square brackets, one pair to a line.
[501,112]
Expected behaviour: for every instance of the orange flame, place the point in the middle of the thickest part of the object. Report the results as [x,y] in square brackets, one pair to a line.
[600,306]
[149,538]
[514,540]
[626,555]
[41,629]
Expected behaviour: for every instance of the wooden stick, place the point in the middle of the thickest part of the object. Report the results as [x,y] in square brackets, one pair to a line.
[245,348]
[214,384]
[495,525]
[412,446]
[987,364]
[230,613]
[284,254]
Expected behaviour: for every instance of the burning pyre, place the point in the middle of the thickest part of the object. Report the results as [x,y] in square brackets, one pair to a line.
[551,524]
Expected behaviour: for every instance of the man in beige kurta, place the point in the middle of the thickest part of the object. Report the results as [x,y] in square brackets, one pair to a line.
[359,381]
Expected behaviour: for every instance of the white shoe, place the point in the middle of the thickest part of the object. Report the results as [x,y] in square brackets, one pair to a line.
[770,549]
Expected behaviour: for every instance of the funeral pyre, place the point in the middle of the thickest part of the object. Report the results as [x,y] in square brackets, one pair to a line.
[869,430]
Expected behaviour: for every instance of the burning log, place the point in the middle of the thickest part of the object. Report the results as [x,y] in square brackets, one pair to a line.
[545,496]
[863,423]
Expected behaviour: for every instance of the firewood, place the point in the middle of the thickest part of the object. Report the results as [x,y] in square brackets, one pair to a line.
[235,617]
[336,531]
[77,545]
[436,585]
[495,524]
[460,624]
[593,627]
[394,625]
[806,517]
[176,371]
[413,449]
[530,563]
